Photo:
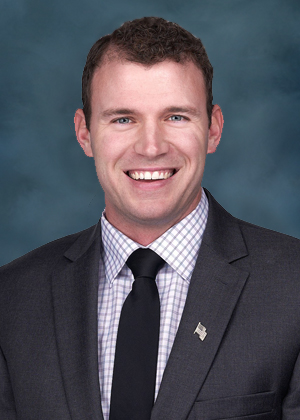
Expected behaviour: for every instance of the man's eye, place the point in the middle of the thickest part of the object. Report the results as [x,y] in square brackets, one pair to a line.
[123,120]
[176,118]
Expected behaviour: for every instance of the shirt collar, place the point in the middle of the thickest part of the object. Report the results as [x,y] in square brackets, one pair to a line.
[178,246]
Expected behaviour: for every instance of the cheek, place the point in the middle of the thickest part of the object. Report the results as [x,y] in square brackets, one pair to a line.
[193,147]
[103,152]
[110,147]
[108,162]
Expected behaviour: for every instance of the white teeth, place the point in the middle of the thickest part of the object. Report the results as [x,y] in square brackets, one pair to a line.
[150,175]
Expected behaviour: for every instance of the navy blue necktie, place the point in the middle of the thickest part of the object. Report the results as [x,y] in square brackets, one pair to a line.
[134,375]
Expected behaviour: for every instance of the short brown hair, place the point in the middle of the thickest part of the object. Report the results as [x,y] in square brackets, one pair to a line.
[148,41]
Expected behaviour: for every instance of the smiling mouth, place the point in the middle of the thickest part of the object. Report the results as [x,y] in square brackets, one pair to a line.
[151,175]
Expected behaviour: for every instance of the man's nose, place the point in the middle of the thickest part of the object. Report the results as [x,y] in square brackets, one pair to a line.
[151,141]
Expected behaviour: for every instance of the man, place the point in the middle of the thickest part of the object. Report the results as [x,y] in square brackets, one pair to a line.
[229,292]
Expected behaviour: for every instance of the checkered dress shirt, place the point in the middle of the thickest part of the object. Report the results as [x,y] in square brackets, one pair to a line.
[179,247]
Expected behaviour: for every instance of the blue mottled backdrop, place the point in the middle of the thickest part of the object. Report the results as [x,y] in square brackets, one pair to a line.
[49,187]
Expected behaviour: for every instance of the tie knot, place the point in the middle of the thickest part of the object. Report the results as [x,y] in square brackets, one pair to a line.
[144,263]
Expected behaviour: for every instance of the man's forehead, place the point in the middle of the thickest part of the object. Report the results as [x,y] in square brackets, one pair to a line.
[121,88]
[109,65]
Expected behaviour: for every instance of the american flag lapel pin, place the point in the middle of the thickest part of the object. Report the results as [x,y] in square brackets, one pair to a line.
[201,331]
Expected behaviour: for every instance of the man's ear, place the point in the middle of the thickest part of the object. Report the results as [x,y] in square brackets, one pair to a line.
[215,129]
[82,133]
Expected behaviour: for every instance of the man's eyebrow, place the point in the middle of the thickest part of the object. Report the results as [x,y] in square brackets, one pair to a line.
[116,111]
[111,112]
[183,110]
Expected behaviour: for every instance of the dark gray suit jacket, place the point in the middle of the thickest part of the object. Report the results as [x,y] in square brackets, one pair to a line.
[245,290]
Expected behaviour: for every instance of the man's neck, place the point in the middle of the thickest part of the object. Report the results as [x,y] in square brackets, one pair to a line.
[144,233]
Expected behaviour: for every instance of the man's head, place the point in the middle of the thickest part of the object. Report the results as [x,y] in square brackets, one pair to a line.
[148,128]
[147,41]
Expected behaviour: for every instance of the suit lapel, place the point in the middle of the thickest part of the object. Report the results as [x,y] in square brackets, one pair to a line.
[214,290]
[75,291]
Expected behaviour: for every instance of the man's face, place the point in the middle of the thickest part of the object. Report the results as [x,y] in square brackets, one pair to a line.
[149,135]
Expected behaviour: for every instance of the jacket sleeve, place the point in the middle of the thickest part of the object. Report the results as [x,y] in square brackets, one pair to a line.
[291,403]
[7,403]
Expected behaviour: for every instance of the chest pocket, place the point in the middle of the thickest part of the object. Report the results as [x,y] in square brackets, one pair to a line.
[254,406]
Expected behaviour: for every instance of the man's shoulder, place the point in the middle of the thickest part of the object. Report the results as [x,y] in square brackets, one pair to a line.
[45,256]
[27,281]
[258,240]
[262,241]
